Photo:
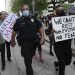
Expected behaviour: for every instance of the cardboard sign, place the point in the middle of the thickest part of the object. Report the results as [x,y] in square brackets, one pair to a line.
[65,27]
[6,27]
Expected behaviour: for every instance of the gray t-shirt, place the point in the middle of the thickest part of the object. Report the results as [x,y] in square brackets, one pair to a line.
[1,37]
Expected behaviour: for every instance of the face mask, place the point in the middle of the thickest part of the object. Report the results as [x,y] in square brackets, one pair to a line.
[25,13]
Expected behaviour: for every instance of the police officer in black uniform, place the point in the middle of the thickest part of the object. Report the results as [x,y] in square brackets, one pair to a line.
[28,28]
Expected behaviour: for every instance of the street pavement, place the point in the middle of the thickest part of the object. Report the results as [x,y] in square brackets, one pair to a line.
[17,67]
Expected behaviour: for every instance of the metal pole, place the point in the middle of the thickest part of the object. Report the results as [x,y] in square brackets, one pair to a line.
[5,5]
[33,6]
[54,3]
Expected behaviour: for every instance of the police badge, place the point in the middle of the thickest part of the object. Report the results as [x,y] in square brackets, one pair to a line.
[32,20]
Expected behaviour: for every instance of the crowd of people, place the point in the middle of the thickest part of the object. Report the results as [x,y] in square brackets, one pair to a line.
[30,33]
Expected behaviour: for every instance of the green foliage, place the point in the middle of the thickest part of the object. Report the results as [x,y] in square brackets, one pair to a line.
[66,6]
[39,4]
[71,1]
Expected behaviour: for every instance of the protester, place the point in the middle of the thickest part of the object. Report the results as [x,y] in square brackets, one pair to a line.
[0,16]
[8,51]
[8,47]
[2,41]
[51,35]
[38,45]
[71,13]
[62,49]
[28,28]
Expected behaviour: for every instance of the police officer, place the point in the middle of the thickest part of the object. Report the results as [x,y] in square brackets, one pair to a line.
[27,27]
[62,49]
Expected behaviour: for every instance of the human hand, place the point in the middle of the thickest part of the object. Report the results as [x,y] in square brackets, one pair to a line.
[13,43]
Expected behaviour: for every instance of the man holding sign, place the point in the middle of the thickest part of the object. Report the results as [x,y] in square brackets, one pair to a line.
[62,47]
[6,25]
[2,42]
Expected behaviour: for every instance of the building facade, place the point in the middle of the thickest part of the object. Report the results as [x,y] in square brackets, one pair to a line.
[8,5]
[51,6]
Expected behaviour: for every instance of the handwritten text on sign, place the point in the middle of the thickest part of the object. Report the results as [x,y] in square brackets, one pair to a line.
[6,27]
[65,27]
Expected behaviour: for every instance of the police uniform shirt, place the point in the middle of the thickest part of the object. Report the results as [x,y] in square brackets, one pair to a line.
[28,27]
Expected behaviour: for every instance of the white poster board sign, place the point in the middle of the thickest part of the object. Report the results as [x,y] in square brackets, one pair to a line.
[6,27]
[65,27]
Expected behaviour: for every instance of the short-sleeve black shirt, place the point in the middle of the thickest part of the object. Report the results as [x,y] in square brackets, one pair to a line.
[27,27]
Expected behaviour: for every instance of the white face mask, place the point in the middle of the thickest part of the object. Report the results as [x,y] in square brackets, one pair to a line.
[25,13]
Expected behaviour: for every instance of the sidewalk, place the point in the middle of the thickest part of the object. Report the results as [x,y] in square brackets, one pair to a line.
[16,67]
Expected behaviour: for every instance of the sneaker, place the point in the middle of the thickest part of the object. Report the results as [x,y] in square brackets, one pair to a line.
[41,60]
[35,57]
[9,60]
[51,54]
[3,68]
[74,63]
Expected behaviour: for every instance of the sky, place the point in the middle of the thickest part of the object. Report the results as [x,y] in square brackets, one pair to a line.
[2,5]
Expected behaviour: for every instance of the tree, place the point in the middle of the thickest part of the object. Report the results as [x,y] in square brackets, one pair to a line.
[39,5]
[66,6]
[71,1]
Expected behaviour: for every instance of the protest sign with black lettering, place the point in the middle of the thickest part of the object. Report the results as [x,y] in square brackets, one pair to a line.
[65,27]
[6,27]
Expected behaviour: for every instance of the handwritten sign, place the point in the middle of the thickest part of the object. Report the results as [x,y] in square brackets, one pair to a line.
[65,27]
[6,27]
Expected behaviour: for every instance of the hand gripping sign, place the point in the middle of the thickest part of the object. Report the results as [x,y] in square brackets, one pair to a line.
[6,27]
